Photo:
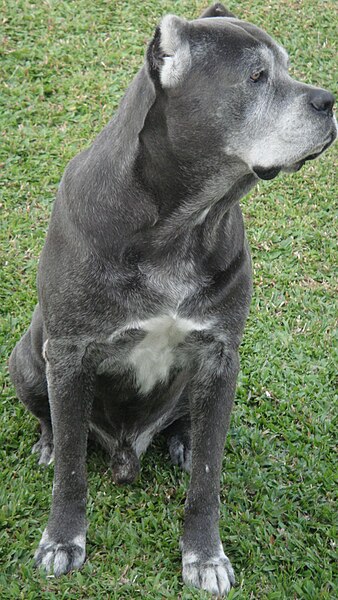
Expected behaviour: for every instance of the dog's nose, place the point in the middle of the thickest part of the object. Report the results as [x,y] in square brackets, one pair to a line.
[322,101]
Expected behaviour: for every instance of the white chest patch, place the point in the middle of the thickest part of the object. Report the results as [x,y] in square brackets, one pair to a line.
[154,356]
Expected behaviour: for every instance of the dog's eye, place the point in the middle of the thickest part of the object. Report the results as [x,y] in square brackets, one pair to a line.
[256,75]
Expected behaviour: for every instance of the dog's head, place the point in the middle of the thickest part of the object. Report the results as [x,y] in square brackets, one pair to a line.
[227,90]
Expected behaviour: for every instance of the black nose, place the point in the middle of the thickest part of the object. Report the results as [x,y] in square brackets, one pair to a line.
[322,101]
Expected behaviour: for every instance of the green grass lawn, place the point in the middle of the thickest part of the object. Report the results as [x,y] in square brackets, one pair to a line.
[66,65]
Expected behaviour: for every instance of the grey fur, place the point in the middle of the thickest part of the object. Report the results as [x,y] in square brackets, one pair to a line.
[145,278]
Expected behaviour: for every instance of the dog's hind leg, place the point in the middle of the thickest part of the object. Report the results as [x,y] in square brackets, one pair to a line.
[28,373]
[179,443]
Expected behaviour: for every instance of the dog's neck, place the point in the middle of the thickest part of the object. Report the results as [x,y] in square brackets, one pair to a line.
[167,192]
[188,191]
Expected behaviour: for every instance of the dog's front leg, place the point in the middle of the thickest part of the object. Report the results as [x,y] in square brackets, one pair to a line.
[211,397]
[70,387]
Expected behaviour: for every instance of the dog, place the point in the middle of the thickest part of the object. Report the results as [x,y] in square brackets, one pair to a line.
[145,279]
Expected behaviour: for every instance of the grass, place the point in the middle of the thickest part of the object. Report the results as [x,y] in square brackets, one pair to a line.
[66,65]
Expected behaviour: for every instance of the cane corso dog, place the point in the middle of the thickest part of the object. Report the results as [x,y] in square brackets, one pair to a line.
[145,278]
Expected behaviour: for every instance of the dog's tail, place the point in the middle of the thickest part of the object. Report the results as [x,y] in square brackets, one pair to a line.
[125,464]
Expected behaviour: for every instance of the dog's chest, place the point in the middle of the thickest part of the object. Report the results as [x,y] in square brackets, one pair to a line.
[154,338]
[152,358]
[174,286]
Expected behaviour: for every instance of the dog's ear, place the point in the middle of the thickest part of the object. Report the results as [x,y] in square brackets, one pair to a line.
[217,10]
[168,54]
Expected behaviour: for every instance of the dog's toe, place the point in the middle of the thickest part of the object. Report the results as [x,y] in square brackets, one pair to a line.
[216,578]
[60,558]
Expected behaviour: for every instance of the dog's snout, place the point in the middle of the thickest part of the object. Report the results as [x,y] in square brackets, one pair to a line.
[322,101]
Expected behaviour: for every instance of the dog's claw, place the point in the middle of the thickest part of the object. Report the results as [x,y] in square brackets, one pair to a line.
[216,578]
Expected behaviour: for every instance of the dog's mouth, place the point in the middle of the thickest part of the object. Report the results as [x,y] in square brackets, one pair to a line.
[298,165]
[272,172]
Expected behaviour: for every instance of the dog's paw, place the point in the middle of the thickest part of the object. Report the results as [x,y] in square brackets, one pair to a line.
[44,448]
[60,558]
[180,453]
[215,576]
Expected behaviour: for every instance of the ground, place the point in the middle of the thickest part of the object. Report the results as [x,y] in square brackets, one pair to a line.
[66,65]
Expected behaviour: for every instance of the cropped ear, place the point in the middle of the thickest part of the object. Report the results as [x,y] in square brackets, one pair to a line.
[217,10]
[168,55]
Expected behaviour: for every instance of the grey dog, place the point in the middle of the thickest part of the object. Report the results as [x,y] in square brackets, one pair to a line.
[145,277]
